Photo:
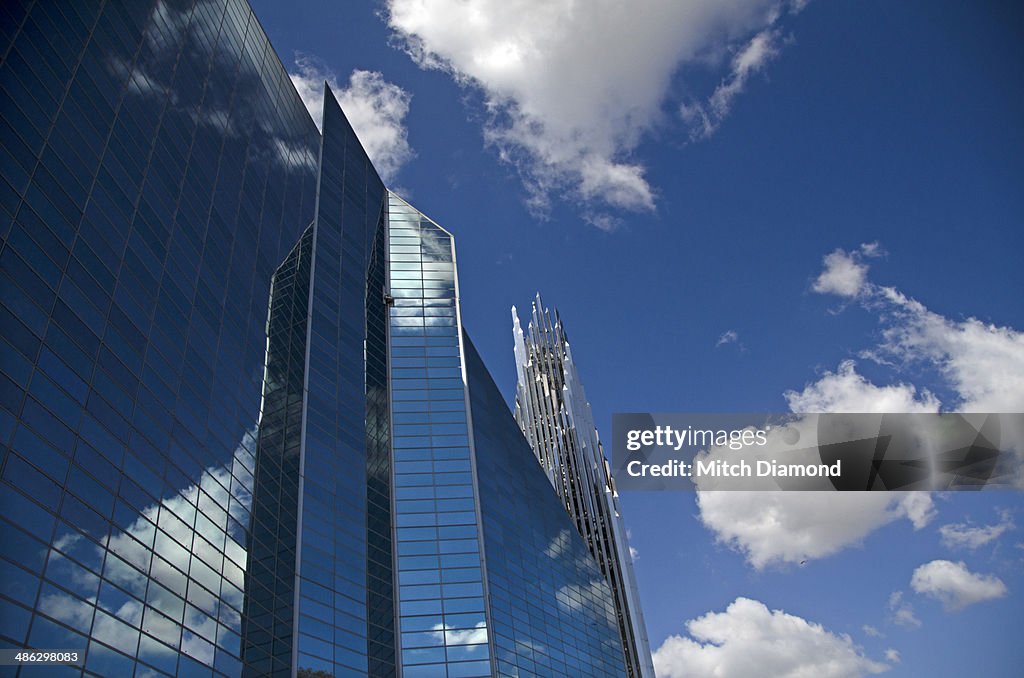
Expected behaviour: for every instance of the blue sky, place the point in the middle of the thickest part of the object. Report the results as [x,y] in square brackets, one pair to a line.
[668,180]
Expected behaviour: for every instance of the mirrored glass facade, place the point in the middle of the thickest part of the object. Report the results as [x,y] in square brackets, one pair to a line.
[157,166]
[243,431]
[552,611]
[440,574]
[269,590]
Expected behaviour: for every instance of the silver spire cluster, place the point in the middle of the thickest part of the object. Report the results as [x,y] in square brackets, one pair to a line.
[554,415]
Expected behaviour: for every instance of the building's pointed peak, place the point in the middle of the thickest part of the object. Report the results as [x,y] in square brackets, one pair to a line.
[402,202]
[330,101]
[339,135]
[396,197]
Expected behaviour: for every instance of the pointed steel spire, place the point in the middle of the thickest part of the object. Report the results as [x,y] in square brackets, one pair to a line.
[553,412]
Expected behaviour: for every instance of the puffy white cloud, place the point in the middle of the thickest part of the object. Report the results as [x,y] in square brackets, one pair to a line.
[845,273]
[748,639]
[919,508]
[893,655]
[572,88]
[634,555]
[375,108]
[982,363]
[902,612]
[870,630]
[775,528]
[966,535]
[954,585]
[847,391]
[985,366]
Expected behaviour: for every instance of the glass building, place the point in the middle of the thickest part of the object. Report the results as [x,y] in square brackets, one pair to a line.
[243,429]
[554,415]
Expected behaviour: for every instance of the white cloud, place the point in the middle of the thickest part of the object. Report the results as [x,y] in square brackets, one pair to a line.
[982,363]
[634,555]
[728,337]
[845,273]
[893,655]
[919,508]
[871,249]
[954,585]
[375,108]
[966,535]
[872,631]
[847,391]
[748,639]
[775,528]
[902,612]
[601,220]
[755,55]
[571,89]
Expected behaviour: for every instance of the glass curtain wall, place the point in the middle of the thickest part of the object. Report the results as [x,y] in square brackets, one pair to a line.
[157,166]
[441,592]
